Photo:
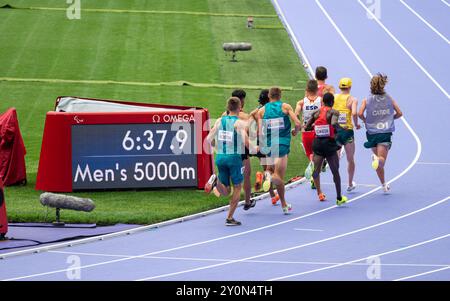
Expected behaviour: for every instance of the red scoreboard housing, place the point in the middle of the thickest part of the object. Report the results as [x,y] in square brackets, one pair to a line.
[55,172]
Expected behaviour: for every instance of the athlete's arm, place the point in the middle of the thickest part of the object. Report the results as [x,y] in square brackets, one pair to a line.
[244,116]
[213,131]
[241,128]
[299,107]
[362,109]
[354,109]
[398,112]
[288,110]
[260,116]
[313,118]
[334,120]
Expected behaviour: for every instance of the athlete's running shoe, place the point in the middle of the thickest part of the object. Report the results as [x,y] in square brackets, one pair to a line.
[275,199]
[267,181]
[309,170]
[313,186]
[322,197]
[386,188]
[232,222]
[375,162]
[351,188]
[287,209]
[341,201]
[211,183]
[259,180]
[250,205]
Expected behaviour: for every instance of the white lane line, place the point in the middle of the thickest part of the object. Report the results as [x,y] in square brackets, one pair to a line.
[425,21]
[405,50]
[312,230]
[445,2]
[422,274]
[433,163]
[255,261]
[364,66]
[357,184]
[364,258]
[293,38]
[298,246]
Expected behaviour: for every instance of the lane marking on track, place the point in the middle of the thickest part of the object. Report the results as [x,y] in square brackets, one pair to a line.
[433,163]
[299,48]
[425,21]
[364,258]
[254,261]
[302,245]
[404,49]
[422,274]
[445,2]
[311,230]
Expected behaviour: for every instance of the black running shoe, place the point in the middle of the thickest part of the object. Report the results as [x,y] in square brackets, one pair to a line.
[250,205]
[232,222]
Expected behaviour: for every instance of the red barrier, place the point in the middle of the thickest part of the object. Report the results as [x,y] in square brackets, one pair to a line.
[3,216]
[56,167]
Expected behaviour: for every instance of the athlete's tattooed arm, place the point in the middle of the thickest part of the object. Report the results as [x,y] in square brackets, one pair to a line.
[314,116]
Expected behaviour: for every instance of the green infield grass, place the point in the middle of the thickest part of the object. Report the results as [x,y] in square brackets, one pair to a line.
[123,49]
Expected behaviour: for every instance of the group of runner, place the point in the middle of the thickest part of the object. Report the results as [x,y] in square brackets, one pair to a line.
[326,121]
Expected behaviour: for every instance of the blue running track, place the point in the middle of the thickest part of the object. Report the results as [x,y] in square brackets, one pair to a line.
[404,235]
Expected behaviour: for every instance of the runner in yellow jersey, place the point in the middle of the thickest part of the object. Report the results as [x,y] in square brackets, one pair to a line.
[347,106]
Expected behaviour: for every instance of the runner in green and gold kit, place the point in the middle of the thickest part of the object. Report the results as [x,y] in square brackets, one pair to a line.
[347,106]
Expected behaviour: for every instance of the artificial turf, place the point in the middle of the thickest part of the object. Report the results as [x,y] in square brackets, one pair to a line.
[135,42]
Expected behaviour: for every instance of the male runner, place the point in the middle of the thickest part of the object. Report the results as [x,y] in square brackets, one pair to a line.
[382,110]
[230,134]
[347,106]
[274,123]
[325,122]
[321,77]
[241,94]
[262,100]
[310,103]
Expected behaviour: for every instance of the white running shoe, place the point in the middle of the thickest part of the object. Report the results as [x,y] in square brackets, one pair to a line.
[351,188]
[386,188]
[375,162]
[287,209]
[209,186]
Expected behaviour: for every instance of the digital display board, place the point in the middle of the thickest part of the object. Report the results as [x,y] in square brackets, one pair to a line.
[117,156]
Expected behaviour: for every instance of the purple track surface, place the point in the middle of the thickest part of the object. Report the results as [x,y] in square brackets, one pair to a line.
[404,235]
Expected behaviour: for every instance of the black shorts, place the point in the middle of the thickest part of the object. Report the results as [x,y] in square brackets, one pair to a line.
[325,147]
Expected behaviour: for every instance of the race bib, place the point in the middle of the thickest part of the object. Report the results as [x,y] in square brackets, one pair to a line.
[342,118]
[275,123]
[322,131]
[225,136]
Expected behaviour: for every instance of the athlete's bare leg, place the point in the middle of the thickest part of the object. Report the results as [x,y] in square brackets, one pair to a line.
[223,190]
[234,200]
[278,177]
[247,180]
[350,152]
[382,153]
[318,161]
